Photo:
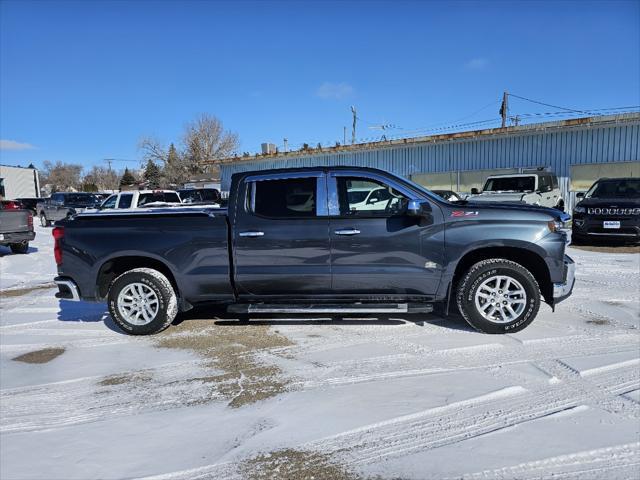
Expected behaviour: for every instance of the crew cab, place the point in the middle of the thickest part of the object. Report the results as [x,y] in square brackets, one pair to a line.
[292,241]
[610,210]
[537,187]
[62,205]
[140,198]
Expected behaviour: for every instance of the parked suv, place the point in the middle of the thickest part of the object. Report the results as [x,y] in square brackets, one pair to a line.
[63,205]
[537,187]
[609,210]
[16,226]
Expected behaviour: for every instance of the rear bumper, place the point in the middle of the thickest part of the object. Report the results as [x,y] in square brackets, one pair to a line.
[562,290]
[67,289]
[16,237]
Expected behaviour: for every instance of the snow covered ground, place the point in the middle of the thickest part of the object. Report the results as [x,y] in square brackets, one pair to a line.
[415,397]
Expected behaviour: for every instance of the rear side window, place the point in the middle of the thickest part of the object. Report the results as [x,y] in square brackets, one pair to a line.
[554,182]
[125,201]
[165,197]
[287,198]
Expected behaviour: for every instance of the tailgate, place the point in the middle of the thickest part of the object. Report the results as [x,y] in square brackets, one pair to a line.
[14,221]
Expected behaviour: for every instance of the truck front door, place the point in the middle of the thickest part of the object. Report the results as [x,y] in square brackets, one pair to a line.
[377,250]
[280,235]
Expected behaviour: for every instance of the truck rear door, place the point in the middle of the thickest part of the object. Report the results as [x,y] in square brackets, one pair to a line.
[280,236]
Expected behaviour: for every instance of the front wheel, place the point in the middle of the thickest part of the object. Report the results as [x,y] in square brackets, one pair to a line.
[142,301]
[498,296]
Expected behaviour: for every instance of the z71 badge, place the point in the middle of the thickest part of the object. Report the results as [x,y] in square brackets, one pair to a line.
[464,213]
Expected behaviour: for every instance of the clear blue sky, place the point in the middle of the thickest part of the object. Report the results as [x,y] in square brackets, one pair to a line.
[82,81]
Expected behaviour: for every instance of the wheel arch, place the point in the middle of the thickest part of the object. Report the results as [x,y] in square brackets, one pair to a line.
[114,267]
[529,259]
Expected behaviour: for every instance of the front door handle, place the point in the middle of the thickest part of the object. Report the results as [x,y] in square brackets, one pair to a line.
[252,234]
[348,231]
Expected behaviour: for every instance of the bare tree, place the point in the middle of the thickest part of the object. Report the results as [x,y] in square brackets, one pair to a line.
[205,140]
[62,176]
[103,178]
[152,150]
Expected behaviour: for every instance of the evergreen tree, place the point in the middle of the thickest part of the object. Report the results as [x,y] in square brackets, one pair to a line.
[127,178]
[172,168]
[152,175]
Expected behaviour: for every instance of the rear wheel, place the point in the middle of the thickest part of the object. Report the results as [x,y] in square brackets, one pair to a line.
[142,301]
[498,296]
[19,247]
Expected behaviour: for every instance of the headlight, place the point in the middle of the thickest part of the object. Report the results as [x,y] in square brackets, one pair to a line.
[557,225]
[579,210]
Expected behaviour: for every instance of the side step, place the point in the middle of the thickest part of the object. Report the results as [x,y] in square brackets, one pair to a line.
[331,308]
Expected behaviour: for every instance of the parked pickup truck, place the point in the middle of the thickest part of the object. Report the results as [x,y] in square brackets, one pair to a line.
[16,226]
[64,205]
[293,241]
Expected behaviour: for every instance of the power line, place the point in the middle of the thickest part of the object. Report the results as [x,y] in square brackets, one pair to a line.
[545,104]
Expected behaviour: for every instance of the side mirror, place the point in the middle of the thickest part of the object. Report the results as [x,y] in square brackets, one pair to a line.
[418,208]
[474,191]
[580,195]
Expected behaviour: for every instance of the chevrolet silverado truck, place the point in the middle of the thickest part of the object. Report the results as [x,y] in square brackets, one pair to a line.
[298,241]
[16,226]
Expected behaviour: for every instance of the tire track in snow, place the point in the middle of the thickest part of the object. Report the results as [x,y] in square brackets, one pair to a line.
[440,426]
[617,462]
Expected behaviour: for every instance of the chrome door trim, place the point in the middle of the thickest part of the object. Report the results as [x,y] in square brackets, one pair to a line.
[347,231]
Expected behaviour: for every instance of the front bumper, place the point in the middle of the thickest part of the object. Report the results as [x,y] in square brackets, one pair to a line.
[67,289]
[562,290]
[16,237]
[593,227]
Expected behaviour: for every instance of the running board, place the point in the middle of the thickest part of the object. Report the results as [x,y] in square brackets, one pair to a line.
[331,308]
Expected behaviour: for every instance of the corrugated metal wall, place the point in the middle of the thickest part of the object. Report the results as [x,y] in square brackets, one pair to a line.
[533,146]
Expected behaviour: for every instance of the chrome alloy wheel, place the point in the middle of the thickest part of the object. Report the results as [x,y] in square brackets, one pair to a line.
[501,299]
[138,304]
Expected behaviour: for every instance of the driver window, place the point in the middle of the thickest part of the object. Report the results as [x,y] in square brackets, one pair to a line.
[365,197]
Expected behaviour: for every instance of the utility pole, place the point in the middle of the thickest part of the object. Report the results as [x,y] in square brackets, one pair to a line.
[344,135]
[286,145]
[109,160]
[353,131]
[504,109]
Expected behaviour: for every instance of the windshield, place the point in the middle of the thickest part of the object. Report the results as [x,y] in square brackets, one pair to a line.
[166,197]
[510,184]
[80,199]
[628,188]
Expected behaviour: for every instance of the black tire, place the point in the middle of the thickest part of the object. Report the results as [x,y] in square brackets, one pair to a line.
[481,271]
[19,247]
[43,220]
[577,239]
[160,285]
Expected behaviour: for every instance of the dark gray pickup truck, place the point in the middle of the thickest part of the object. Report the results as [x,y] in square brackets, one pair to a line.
[16,226]
[317,240]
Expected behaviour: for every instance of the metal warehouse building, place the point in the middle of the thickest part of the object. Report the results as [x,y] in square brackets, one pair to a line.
[579,151]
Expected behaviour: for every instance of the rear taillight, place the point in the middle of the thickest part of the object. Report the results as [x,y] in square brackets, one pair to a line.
[12,206]
[30,221]
[58,235]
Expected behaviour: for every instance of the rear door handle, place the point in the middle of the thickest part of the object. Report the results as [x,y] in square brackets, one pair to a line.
[348,231]
[252,234]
